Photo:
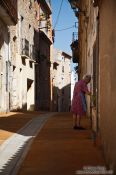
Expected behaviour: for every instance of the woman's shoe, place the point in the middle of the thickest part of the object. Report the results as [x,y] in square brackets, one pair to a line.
[75,127]
[81,128]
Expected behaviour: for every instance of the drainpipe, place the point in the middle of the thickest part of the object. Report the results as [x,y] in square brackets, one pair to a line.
[97,69]
[86,25]
[9,68]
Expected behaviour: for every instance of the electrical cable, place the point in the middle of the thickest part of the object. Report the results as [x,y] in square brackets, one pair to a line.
[58,14]
[59,30]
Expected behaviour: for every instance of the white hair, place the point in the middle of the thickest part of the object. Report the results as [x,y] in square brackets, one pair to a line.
[87,76]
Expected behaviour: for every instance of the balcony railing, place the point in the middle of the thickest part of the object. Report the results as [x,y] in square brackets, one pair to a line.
[74,4]
[74,36]
[24,47]
[75,48]
[8,11]
[32,53]
[75,51]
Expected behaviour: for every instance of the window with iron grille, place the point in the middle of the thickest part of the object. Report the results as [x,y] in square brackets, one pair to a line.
[7,76]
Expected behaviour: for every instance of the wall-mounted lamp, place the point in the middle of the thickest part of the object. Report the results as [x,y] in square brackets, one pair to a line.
[75,5]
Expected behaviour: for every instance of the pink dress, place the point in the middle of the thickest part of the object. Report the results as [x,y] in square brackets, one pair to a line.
[79,102]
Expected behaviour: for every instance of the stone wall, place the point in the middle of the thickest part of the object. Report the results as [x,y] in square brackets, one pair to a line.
[4,67]
[22,66]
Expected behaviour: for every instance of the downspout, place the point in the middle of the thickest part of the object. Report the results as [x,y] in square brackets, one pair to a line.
[97,69]
[9,69]
[86,44]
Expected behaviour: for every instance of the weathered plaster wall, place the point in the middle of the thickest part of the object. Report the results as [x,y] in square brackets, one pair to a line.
[107,79]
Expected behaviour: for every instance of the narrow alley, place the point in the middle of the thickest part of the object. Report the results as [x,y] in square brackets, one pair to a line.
[57,87]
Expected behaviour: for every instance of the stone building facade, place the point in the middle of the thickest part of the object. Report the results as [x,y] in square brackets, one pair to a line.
[22,69]
[43,79]
[61,81]
[96,44]
[25,54]
[30,47]
[8,17]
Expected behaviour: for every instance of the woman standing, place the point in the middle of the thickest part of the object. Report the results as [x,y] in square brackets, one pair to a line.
[79,106]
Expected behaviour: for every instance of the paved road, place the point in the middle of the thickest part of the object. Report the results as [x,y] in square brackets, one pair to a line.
[14,149]
[46,144]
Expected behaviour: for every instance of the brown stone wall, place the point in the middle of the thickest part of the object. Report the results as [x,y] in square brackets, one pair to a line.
[4,66]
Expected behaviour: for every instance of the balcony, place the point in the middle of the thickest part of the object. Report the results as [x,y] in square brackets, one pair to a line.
[8,11]
[74,3]
[75,51]
[25,48]
[74,48]
[32,53]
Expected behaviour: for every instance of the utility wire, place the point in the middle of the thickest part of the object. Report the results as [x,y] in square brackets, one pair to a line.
[59,30]
[58,14]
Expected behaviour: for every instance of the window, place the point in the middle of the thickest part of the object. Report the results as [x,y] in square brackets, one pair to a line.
[7,76]
[30,4]
[30,64]
[63,91]
[62,68]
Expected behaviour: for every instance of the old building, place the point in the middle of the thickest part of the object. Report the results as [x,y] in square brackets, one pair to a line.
[61,81]
[22,70]
[96,43]
[43,83]
[107,84]
[8,17]
[25,52]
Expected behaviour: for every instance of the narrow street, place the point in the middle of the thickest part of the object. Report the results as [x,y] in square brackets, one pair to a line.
[50,145]
[57,65]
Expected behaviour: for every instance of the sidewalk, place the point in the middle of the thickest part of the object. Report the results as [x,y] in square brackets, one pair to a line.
[11,122]
[60,150]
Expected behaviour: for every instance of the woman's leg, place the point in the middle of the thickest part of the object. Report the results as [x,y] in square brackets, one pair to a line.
[79,123]
[74,120]
[78,120]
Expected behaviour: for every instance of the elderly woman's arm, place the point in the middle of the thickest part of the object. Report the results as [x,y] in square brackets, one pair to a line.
[88,93]
[85,89]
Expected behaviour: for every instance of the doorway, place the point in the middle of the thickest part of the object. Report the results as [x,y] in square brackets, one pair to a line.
[30,94]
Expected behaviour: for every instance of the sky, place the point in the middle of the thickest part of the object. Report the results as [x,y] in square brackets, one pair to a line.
[66,19]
